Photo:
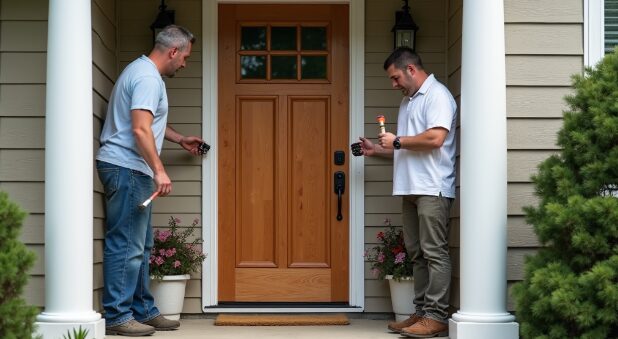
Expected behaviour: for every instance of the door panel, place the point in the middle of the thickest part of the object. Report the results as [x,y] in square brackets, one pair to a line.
[283,112]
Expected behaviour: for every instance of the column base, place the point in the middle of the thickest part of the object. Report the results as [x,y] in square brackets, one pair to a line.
[475,330]
[96,329]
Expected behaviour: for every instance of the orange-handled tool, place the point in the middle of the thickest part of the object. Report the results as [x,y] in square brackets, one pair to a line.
[149,200]
[381,120]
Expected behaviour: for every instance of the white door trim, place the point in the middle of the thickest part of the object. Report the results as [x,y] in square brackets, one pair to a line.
[209,164]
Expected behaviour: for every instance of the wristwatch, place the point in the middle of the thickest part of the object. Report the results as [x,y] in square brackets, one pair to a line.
[397,143]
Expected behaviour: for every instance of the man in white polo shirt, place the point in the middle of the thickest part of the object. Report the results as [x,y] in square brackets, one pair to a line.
[424,176]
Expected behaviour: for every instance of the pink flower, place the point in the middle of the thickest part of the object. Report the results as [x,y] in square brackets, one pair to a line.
[159,261]
[151,259]
[170,252]
[162,252]
[196,221]
[400,257]
[381,257]
[176,264]
[163,235]
[177,221]
[375,272]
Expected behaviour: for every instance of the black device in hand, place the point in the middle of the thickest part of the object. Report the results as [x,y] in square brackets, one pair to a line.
[356,149]
[203,148]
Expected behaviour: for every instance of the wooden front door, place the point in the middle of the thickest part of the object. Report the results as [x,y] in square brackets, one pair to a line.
[283,112]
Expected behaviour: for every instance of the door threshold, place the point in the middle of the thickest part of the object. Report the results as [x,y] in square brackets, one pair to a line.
[274,307]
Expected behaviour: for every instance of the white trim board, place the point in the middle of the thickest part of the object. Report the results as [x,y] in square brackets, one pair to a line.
[594,32]
[209,164]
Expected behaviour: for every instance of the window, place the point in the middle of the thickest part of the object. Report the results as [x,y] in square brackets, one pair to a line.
[600,29]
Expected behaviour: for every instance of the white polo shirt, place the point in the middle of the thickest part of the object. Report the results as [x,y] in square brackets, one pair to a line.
[426,172]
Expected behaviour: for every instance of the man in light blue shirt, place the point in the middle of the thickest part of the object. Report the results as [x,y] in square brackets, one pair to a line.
[130,169]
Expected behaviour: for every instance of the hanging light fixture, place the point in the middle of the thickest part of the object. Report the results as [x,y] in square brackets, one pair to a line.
[164,19]
[405,28]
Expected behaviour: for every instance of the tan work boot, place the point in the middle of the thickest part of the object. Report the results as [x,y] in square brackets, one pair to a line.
[426,328]
[161,323]
[398,326]
[131,328]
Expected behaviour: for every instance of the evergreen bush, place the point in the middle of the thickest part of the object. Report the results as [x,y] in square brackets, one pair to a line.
[570,289]
[16,317]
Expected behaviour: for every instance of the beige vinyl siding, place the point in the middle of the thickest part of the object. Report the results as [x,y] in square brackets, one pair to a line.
[104,73]
[185,115]
[544,47]
[454,21]
[380,98]
[23,43]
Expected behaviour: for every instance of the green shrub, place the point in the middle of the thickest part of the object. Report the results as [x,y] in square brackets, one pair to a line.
[16,317]
[570,289]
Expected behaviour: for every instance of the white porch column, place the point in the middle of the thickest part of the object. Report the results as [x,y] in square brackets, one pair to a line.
[483,191]
[68,174]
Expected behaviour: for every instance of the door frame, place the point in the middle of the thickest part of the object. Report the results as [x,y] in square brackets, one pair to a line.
[210,94]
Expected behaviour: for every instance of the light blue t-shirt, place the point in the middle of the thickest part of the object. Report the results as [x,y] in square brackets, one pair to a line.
[139,86]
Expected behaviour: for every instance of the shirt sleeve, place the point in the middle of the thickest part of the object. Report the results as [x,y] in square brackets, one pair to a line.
[440,111]
[146,94]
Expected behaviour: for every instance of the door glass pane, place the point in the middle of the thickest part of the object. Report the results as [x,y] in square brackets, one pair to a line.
[253,38]
[313,38]
[313,67]
[253,67]
[283,67]
[283,38]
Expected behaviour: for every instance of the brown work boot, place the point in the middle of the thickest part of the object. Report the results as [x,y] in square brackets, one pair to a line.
[398,326]
[426,328]
[161,323]
[130,329]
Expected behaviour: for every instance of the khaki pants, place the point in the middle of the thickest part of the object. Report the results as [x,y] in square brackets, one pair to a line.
[425,229]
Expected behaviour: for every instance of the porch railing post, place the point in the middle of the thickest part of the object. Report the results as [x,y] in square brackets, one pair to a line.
[483,238]
[68,174]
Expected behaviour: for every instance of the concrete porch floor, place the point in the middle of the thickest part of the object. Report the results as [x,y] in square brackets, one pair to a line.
[205,328]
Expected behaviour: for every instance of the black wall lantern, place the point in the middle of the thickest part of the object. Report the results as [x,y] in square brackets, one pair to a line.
[405,28]
[164,19]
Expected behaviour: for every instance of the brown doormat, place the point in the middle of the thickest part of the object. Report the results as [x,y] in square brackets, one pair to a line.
[281,319]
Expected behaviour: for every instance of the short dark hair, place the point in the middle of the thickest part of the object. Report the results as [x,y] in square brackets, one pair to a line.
[402,57]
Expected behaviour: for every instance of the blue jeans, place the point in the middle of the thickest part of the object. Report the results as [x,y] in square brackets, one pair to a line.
[128,241]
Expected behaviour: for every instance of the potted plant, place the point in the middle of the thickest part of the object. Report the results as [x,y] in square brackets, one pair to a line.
[173,258]
[391,261]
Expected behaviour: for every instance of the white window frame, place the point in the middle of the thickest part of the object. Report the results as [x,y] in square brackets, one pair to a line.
[594,32]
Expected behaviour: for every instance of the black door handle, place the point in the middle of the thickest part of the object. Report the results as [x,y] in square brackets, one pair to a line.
[339,190]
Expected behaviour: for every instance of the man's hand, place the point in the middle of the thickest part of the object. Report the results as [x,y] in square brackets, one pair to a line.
[386,140]
[163,183]
[367,147]
[191,144]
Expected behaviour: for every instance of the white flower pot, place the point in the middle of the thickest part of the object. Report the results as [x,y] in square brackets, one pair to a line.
[169,294]
[402,296]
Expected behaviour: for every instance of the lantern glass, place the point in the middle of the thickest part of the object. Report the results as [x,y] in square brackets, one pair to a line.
[405,38]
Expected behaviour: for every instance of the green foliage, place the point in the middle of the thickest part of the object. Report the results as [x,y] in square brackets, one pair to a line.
[16,317]
[390,257]
[173,254]
[570,289]
[80,333]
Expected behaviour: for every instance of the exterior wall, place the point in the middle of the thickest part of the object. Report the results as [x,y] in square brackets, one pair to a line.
[544,47]
[185,115]
[23,46]
[22,122]
[380,98]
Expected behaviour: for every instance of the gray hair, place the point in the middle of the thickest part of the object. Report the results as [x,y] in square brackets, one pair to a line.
[174,36]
